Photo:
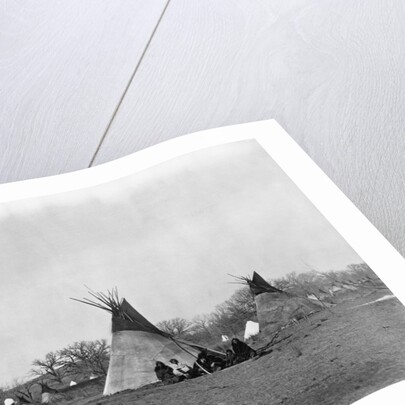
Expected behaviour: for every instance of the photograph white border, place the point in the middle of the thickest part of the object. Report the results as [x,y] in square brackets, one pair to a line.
[362,236]
[357,230]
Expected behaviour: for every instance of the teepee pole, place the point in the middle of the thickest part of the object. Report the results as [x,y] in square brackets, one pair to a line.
[185,350]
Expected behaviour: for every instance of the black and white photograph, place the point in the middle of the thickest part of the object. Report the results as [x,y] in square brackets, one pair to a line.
[202,202]
[205,278]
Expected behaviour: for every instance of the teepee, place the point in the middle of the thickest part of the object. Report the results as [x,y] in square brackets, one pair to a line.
[136,345]
[277,308]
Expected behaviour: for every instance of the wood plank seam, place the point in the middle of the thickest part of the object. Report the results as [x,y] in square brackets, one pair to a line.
[128,85]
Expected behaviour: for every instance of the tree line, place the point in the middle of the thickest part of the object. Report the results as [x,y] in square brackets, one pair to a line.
[81,360]
[229,318]
[77,362]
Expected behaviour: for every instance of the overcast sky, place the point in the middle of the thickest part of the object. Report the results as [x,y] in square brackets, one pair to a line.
[166,237]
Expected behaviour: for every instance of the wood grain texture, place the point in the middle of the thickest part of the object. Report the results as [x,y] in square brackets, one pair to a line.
[63,68]
[330,72]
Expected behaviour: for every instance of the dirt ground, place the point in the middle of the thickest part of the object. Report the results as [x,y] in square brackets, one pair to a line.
[334,357]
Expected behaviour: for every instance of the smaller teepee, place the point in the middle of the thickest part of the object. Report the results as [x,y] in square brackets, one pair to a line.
[276,308]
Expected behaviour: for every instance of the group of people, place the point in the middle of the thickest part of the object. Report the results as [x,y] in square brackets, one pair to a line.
[206,363]
[173,373]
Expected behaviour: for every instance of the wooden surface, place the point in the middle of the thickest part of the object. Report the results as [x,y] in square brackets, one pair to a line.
[63,68]
[84,83]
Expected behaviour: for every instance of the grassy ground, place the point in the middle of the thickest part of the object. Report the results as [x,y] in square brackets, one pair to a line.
[333,357]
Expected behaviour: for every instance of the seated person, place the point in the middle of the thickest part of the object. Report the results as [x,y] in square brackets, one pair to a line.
[242,351]
[165,374]
[207,363]
[215,363]
[230,358]
[180,369]
[201,366]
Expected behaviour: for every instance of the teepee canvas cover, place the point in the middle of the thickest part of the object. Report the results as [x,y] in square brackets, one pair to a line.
[136,346]
[276,308]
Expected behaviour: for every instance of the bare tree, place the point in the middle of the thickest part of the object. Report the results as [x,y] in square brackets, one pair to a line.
[177,327]
[202,323]
[51,367]
[79,359]
[242,304]
[19,389]
[85,358]
[201,330]
[24,393]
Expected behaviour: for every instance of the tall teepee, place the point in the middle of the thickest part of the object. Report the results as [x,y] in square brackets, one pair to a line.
[136,345]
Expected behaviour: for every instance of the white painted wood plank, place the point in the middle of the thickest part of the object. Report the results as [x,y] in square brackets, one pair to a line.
[63,68]
[331,72]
